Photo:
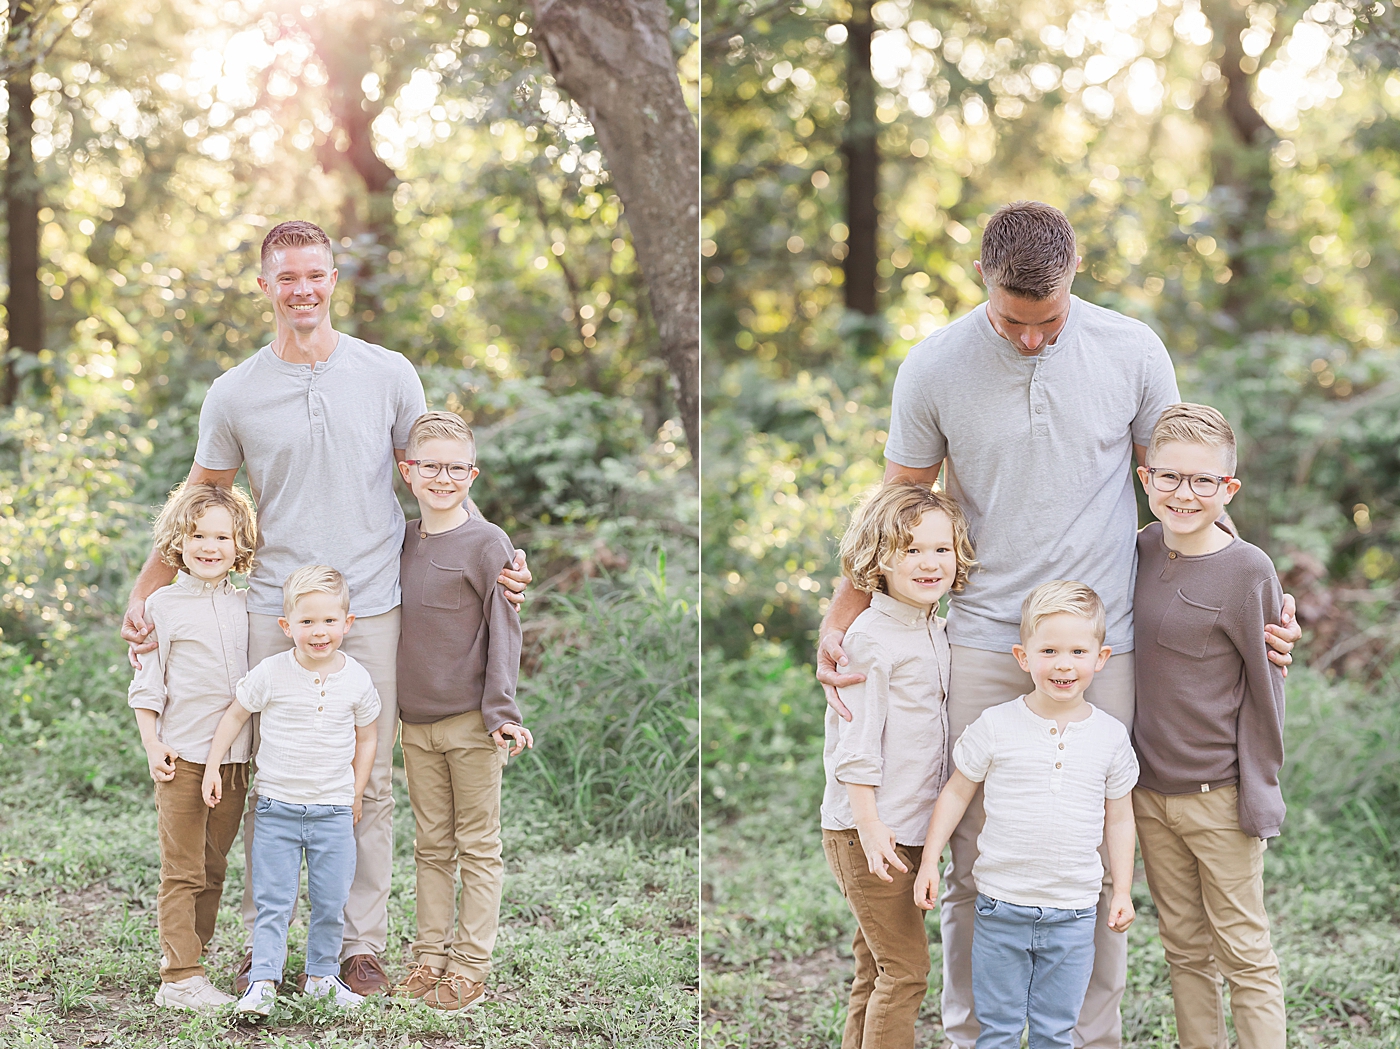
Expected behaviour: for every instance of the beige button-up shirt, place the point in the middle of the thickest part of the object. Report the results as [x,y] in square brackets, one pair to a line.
[897,741]
[189,680]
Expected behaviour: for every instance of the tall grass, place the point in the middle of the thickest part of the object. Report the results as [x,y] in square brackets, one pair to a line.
[613,701]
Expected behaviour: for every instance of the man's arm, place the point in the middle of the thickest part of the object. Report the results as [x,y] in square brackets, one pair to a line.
[155,574]
[847,602]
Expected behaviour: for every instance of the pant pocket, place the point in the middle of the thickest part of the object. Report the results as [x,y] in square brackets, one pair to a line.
[985,905]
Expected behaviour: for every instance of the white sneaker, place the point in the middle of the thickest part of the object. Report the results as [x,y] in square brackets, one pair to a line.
[334,988]
[258,998]
[193,992]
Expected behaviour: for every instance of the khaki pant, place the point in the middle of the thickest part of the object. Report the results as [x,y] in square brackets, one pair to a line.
[194,844]
[1207,880]
[374,641]
[978,680]
[890,945]
[454,785]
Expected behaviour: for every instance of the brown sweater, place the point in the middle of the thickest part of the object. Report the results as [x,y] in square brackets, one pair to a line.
[1209,702]
[459,644]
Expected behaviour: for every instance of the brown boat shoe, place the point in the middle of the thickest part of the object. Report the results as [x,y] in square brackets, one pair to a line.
[454,991]
[240,979]
[364,974]
[420,980]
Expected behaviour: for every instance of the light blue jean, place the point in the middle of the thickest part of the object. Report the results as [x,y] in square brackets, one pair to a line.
[1029,964]
[282,834]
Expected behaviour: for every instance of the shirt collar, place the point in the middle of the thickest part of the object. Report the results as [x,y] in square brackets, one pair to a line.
[909,615]
[191,585]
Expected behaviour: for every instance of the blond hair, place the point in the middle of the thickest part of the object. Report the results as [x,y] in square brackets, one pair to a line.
[187,503]
[1062,597]
[883,525]
[1028,250]
[1188,423]
[297,233]
[314,579]
[439,426]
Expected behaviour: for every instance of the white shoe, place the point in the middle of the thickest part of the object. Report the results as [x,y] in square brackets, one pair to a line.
[334,988]
[258,998]
[193,992]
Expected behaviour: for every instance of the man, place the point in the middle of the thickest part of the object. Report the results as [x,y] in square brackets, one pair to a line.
[319,418]
[1033,407]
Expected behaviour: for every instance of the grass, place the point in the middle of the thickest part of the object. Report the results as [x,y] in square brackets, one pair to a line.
[776,932]
[598,944]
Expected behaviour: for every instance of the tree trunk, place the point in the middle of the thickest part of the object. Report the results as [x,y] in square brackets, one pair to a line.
[24,306]
[614,58]
[1241,145]
[342,49]
[862,154]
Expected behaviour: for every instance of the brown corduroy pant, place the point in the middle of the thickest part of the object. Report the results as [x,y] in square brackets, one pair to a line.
[194,844]
[890,945]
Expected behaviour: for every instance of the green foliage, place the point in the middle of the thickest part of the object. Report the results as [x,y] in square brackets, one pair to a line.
[614,704]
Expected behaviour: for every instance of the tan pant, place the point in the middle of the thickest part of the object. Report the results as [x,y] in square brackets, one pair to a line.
[374,641]
[454,785]
[978,680]
[1207,880]
[194,844]
[890,945]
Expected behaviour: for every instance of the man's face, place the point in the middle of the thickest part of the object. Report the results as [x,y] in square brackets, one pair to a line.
[299,281]
[1028,324]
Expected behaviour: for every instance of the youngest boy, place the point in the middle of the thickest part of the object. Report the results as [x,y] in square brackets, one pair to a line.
[1058,777]
[318,708]
[1209,734]
[459,657]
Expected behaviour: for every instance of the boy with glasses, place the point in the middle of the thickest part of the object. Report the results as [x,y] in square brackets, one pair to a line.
[459,657]
[1208,734]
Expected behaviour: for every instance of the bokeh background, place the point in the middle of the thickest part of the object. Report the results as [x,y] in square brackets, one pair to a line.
[478,229]
[1232,170]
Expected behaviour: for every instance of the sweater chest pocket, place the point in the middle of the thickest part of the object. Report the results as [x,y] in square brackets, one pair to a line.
[1187,626]
[442,586]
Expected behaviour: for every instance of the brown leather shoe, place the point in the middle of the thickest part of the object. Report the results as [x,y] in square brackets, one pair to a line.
[240,980]
[454,991]
[364,974]
[420,980]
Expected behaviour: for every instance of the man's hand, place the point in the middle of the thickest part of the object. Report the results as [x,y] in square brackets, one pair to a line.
[355,809]
[830,660]
[515,579]
[518,734]
[160,761]
[1120,912]
[1282,636]
[137,632]
[878,842]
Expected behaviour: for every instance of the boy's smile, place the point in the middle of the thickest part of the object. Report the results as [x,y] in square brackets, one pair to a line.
[929,565]
[317,626]
[1188,518]
[209,550]
[1062,656]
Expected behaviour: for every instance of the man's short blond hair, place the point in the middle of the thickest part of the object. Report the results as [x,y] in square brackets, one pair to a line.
[314,579]
[1062,597]
[1188,423]
[298,233]
[881,529]
[187,504]
[439,426]
[1028,250]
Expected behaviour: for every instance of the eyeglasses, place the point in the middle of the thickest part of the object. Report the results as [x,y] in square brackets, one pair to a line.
[1204,485]
[428,469]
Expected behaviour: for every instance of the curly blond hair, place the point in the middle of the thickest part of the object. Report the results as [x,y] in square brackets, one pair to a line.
[883,525]
[186,505]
